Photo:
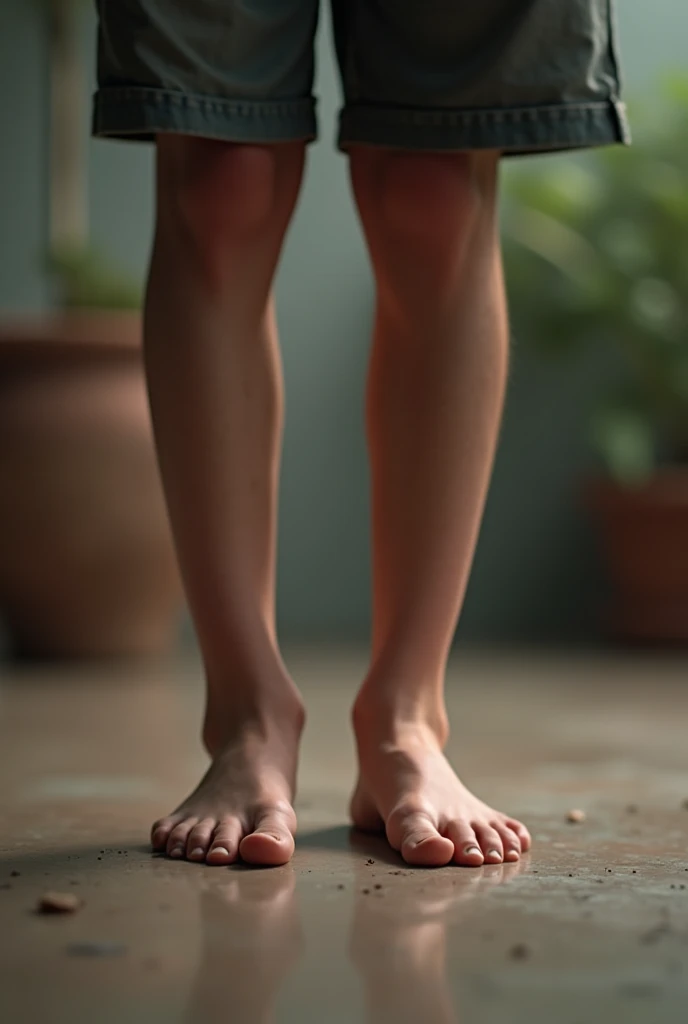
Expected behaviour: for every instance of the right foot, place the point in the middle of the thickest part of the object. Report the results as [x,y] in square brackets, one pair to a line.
[242,807]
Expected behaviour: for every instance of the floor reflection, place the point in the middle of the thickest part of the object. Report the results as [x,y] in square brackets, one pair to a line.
[398,942]
[252,940]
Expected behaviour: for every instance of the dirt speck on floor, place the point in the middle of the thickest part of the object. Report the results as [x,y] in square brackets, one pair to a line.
[575,816]
[341,885]
[377,886]
[96,949]
[654,934]
[370,861]
[15,874]
[366,892]
[519,952]
[58,903]
[639,989]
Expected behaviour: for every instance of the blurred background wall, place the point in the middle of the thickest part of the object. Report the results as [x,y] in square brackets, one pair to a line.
[536,578]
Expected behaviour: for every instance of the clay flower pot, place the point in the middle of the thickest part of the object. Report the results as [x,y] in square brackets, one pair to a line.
[643,535]
[87,566]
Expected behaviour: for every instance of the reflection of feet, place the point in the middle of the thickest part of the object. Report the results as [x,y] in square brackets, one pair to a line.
[252,939]
[407,786]
[243,804]
[398,944]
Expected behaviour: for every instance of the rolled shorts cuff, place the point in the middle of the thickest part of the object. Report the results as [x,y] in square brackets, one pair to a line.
[142,113]
[514,131]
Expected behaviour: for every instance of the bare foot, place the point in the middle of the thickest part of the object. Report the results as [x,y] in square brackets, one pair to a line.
[242,806]
[408,788]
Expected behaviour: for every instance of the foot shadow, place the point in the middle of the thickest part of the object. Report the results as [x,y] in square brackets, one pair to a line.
[343,839]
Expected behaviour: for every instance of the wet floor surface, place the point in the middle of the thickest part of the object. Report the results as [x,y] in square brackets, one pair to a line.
[591,926]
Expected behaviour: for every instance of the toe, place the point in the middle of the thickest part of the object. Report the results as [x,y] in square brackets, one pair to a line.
[161,830]
[415,836]
[224,845]
[272,839]
[176,841]
[490,842]
[466,847]
[522,833]
[510,842]
[199,838]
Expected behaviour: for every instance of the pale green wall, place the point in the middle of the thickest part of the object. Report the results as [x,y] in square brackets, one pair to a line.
[535,575]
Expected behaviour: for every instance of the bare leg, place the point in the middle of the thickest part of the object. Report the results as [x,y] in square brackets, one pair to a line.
[215,383]
[434,401]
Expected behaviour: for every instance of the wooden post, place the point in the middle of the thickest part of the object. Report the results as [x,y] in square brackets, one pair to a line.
[68,156]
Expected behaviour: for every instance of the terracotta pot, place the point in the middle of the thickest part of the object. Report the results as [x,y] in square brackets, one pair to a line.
[87,566]
[644,540]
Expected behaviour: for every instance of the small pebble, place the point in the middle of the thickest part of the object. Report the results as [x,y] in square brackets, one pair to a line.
[377,886]
[634,872]
[570,876]
[575,816]
[58,903]
[519,952]
[609,870]
[100,858]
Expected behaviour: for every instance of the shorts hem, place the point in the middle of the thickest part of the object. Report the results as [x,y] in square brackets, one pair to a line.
[511,130]
[139,114]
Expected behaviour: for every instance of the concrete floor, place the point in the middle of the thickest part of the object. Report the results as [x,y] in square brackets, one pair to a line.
[592,926]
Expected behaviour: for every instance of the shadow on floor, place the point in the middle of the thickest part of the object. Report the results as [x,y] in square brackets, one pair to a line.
[343,838]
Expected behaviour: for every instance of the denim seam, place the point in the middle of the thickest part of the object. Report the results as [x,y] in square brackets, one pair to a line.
[113,96]
[513,115]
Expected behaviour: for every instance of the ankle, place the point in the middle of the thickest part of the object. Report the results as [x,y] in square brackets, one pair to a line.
[381,717]
[265,710]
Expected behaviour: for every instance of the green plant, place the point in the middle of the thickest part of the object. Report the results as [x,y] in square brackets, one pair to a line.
[86,279]
[597,252]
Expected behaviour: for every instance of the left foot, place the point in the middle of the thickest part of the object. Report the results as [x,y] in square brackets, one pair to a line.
[407,788]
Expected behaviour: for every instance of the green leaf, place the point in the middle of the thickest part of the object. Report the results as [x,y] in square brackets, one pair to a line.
[625,440]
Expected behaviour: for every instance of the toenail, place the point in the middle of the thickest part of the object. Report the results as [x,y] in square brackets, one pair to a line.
[220,849]
[198,852]
[512,854]
[177,851]
[473,849]
[494,853]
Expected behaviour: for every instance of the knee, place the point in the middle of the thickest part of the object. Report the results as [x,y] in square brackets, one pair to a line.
[216,194]
[430,200]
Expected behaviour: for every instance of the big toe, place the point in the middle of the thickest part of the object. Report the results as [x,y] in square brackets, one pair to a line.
[272,842]
[420,843]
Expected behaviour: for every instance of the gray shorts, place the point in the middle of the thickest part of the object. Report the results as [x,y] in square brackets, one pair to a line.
[512,75]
